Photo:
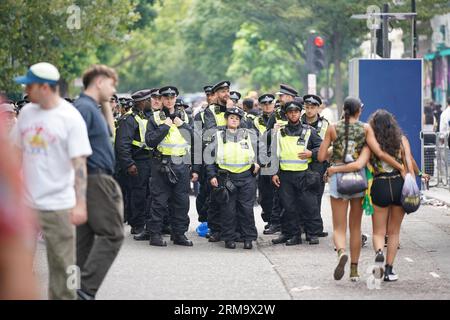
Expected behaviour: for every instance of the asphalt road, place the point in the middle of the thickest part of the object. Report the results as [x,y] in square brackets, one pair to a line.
[209,271]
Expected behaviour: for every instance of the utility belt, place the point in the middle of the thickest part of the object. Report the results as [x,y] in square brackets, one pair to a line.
[159,156]
[224,179]
[166,166]
[231,175]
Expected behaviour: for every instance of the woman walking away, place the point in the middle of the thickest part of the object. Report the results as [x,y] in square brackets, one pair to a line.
[387,187]
[348,137]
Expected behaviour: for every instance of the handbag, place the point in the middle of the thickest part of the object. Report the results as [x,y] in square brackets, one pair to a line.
[410,197]
[350,183]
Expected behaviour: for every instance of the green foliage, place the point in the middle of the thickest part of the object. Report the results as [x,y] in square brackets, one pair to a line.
[36,31]
[257,44]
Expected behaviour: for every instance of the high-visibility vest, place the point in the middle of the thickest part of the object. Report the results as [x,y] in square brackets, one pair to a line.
[218,116]
[288,148]
[322,127]
[235,157]
[173,143]
[142,129]
[117,123]
[260,125]
[279,120]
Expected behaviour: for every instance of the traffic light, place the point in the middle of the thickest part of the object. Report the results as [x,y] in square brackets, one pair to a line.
[315,53]
[379,46]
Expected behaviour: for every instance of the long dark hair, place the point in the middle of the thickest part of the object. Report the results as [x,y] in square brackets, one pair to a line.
[387,131]
[351,108]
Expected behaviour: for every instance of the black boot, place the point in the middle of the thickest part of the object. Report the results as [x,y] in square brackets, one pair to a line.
[281,239]
[136,230]
[182,240]
[214,237]
[143,236]
[248,244]
[295,240]
[157,240]
[274,228]
[323,234]
[166,229]
[230,245]
[313,240]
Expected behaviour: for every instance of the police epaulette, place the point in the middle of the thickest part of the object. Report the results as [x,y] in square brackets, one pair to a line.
[277,114]
[261,121]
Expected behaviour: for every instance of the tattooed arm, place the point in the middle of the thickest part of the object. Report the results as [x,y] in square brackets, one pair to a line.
[79,213]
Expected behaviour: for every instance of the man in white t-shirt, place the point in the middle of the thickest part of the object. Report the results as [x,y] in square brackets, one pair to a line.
[54,143]
[444,126]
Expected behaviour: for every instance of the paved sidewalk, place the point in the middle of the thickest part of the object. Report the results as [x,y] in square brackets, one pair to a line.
[438,193]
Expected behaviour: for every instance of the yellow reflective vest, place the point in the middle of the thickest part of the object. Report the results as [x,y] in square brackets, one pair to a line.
[218,116]
[235,157]
[142,129]
[173,143]
[322,127]
[288,148]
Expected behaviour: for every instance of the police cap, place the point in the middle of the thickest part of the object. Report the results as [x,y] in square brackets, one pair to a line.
[312,99]
[169,91]
[266,98]
[236,111]
[220,85]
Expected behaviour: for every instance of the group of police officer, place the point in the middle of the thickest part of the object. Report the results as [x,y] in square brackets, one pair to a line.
[160,149]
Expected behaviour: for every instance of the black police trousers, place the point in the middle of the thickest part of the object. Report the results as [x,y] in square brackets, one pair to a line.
[237,216]
[298,195]
[123,181]
[213,214]
[266,194]
[139,194]
[320,168]
[277,210]
[165,195]
[201,202]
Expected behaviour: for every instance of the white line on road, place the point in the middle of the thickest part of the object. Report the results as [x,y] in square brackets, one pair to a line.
[435,275]
[304,288]
[409,259]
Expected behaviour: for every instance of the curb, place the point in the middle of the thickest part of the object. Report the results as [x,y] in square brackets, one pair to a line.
[428,194]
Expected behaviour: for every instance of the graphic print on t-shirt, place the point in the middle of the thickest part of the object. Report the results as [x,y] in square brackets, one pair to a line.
[37,139]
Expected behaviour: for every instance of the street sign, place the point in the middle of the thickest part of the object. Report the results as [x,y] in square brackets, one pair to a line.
[312,84]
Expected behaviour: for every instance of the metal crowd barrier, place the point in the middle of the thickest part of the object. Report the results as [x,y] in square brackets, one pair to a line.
[435,158]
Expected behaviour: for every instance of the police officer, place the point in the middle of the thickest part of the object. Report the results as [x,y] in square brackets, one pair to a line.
[198,169]
[235,97]
[125,107]
[169,133]
[311,117]
[277,120]
[212,118]
[115,106]
[265,186]
[232,177]
[134,158]
[295,144]
[155,99]
[120,174]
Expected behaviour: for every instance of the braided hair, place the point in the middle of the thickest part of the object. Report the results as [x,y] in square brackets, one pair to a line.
[351,107]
